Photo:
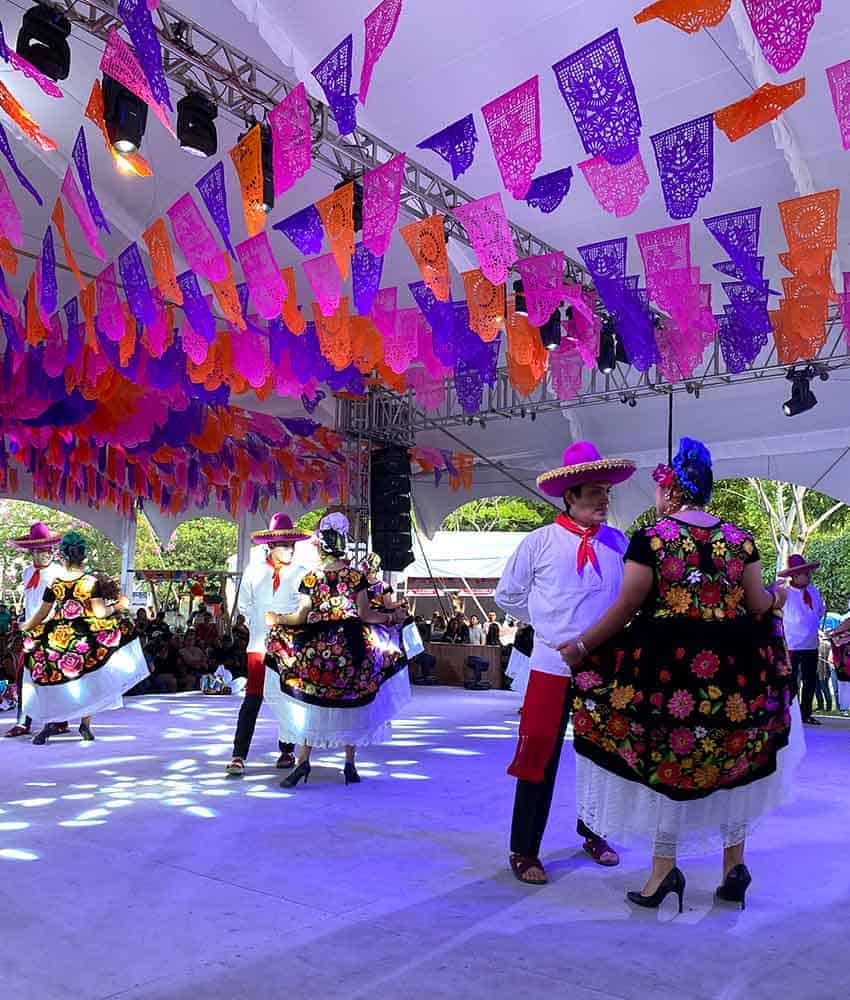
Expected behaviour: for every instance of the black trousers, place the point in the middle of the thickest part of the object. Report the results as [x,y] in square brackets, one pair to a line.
[533,800]
[804,663]
[246,724]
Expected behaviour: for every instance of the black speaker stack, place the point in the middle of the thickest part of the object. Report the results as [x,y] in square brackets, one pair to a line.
[390,504]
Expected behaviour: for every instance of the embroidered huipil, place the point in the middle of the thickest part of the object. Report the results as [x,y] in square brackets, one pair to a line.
[541,585]
[257,596]
[801,621]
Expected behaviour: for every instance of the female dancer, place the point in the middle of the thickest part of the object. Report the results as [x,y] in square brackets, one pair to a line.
[683,720]
[342,673]
[83,659]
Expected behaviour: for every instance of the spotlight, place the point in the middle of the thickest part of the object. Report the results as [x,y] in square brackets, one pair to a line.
[802,397]
[533,415]
[607,360]
[550,332]
[523,413]
[520,307]
[483,423]
[268,167]
[357,211]
[43,41]
[196,130]
[693,389]
[126,117]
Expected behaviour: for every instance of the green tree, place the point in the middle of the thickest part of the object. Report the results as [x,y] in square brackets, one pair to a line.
[833,577]
[500,514]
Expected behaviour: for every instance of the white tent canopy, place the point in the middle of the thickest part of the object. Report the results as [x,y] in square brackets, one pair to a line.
[470,555]
[445,61]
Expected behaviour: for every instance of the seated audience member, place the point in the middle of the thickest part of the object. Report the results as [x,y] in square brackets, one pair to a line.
[438,627]
[476,631]
[206,631]
[240,633]
[8,683]
[5,619]
[192,662]
[457,630]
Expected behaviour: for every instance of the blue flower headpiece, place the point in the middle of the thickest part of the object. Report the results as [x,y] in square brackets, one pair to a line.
[691,452]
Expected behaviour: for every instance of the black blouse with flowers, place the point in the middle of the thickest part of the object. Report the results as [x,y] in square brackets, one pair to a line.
[694,695]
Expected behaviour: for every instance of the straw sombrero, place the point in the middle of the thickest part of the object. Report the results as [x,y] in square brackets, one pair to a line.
[279,532]
[798,564]
[40,537]
[584,464]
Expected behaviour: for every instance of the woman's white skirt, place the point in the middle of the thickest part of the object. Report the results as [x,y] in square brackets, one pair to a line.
[318,726]
[518,668]
[628,812]
[99,691]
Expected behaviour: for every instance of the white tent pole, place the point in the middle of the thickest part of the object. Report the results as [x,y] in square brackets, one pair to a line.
[128,551]
[474,598]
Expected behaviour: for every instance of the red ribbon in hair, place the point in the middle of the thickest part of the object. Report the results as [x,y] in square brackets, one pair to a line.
[586,553]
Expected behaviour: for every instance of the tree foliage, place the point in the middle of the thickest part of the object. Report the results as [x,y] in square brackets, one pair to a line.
[500,514]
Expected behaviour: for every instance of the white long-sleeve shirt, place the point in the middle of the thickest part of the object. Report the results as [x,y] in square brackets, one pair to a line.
[257,596]
[33,596]
[541,585]
[801,621]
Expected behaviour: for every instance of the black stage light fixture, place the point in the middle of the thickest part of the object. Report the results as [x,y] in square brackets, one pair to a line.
[802,398]
[550,332]
[43,41]
[607,360]
[520,305]
[357,199]
[126,117]
[196,131]
[266,145]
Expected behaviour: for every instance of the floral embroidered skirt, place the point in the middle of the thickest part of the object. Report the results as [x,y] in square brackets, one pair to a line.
[680,725]
[336,683]
[80,667]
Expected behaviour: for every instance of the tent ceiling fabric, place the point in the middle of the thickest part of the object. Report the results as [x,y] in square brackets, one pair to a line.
[447,59]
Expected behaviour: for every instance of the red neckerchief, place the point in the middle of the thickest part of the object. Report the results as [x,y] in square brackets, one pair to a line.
[275,574]
[586,553]
[807,597]
[34,580]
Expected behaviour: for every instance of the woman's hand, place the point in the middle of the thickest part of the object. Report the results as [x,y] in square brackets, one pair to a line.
[571,653]
[780,595]
[123,603]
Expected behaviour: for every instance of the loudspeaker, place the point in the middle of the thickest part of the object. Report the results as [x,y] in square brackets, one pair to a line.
[390,505]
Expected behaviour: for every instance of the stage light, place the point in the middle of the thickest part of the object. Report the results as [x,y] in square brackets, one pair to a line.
[357,201]
[268,167]
[607,360]
[126,116]
[550,332]
[520,306]
[43,41]
[802,398]
[196,131]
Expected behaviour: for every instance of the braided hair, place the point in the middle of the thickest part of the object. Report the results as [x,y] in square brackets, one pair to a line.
[73,548]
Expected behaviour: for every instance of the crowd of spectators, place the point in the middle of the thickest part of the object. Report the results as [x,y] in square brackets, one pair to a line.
[180,660]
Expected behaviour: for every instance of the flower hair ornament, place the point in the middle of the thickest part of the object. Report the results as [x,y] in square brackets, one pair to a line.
[691,453]
[664,476]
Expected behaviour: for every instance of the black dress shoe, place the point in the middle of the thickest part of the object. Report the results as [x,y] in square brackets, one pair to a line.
[673,881]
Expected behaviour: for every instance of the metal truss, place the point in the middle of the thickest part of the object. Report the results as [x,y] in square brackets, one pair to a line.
[238,84]
[382,417]
[627,385]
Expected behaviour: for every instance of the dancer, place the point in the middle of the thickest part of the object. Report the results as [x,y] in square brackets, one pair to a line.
[560,579]
[839,639]
[342,672]
[83,659]
[804,609]
[270,585]
[41,544]
[683,720]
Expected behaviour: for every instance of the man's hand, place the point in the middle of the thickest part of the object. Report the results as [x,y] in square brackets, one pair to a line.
[271,618]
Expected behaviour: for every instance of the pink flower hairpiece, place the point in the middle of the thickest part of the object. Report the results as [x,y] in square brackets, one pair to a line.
[664,475]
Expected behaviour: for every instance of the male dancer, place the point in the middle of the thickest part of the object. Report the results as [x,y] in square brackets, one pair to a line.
[802,615]
[561,579]
[40,543]
[269,585]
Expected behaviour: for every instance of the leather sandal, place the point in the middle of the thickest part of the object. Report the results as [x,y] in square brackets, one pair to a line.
[601,851]
[17,730]
[522,864]
[236,768]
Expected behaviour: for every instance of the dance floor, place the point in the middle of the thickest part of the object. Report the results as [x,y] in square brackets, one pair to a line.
[132,868]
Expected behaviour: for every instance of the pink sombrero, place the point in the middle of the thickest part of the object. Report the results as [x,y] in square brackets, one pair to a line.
[584,464]
[40,537]
[798,564]
[279,532]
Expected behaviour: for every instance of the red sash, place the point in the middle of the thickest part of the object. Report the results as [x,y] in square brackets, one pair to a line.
[542,711]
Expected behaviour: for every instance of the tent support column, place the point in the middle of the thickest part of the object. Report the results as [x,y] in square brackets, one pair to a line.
[128,551]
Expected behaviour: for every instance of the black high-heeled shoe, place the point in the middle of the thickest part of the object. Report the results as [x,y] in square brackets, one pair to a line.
[673,881]
[735,885]
[350,773]
[86,733]
[302,771]
[42,736]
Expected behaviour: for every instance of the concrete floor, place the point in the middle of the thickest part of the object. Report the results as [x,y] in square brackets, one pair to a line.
[132,868]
